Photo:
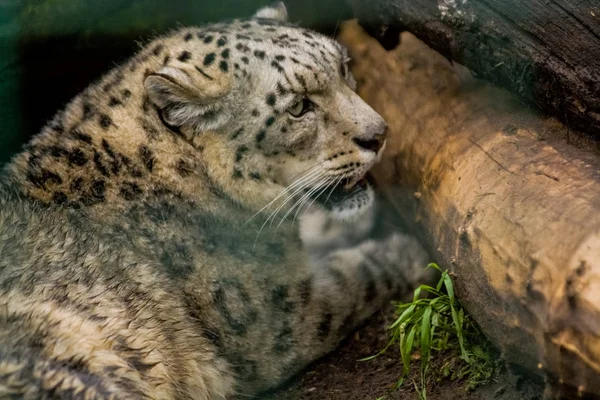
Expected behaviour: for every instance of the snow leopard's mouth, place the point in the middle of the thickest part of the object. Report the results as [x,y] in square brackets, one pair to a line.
[348,190]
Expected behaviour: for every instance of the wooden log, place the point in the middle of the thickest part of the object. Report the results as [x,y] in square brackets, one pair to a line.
[506,204]
[546,52]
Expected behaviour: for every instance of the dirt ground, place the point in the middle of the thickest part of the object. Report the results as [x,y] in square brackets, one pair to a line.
[340,376]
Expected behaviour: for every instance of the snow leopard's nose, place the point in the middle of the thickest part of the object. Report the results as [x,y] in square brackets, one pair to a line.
[373,145]
[375,141]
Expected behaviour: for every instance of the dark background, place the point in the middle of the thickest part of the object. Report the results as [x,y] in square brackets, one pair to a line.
[52,49]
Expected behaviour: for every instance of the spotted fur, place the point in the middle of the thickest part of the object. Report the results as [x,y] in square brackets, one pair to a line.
[137,259]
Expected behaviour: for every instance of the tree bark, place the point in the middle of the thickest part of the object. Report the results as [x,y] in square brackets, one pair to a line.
[546,52]
[506,204]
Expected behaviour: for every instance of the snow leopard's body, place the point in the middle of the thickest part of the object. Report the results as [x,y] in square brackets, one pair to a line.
[134,261]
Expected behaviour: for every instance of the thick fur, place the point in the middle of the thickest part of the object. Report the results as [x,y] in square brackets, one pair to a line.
[136,257]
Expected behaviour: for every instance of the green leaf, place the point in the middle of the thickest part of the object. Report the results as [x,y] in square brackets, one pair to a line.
[406,347]
[405,315]
[426,338]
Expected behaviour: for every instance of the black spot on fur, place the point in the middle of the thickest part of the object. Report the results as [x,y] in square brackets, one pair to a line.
[283,340]
[156,51]
[255,176]
[225,53]
[270,121]
[259,54]
[280,299]
[245,370]
[130,191]
[305,290]
[184,56]
[96,194]
[114,102]
[59,197]
[231,289]
[177,259]
[76,185]
[366,276]
[337,276]
[88,111]
[54,151]
[99,163]
[183,168]
[271,99]
[43,177]
[105,121]
[240,152]
[245,60]
[108,148]
[126,94]
[237,133]
[237,174]
[281,90]
[147,157]
[223,66]
[280,58]
[260,136]
[277,66]
[283,129]
[255,113]
[77,157]
[208,39]
[325,326]
[188,36]
[301,80]
[246,26]
[166,59]
[222,41]
[242,37]
[209,59]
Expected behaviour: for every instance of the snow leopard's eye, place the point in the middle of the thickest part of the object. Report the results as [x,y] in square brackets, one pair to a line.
[301,107]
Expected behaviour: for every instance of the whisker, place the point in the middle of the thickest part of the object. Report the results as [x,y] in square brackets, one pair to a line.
[303,200]
[315,197]
[335,186]
[306,183]
[283,192]
[314,179]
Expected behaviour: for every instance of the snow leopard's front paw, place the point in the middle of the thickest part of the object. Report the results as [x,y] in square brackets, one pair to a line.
[404,257]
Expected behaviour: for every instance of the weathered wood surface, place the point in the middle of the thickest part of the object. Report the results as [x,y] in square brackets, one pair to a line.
[506,204]
[545,51]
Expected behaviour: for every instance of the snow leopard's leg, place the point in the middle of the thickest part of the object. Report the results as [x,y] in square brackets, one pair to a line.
[293,318]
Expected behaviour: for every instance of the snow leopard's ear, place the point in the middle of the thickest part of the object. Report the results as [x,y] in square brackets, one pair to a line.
[185,100]
[275,11]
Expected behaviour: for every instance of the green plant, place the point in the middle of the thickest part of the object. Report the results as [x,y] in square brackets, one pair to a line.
[437,327]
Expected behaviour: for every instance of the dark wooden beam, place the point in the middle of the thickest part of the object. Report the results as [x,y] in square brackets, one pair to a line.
[547,52]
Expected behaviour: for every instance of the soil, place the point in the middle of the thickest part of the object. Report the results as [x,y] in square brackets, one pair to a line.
[340,376]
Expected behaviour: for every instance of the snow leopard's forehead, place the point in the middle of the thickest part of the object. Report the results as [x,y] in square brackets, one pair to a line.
[304,59]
